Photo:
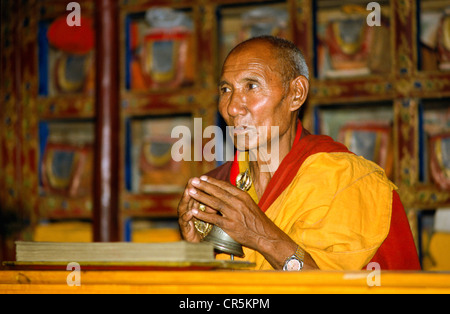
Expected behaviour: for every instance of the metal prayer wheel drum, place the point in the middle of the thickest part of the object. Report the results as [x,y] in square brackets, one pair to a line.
[223,243]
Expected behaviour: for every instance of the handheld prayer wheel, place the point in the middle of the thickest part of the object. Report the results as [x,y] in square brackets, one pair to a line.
[221,241]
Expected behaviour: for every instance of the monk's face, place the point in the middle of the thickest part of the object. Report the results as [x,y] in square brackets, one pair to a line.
[252,95]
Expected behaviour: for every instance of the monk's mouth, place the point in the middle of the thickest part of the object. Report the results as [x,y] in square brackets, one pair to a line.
[243,129]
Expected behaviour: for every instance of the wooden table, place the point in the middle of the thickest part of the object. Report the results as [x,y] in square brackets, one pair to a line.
[221,281]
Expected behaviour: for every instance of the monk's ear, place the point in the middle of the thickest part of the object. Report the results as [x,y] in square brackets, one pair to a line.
[299,87]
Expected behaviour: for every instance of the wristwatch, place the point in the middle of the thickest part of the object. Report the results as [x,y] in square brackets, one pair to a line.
[295,262]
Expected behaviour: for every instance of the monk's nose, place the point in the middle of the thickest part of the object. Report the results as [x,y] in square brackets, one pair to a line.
[236,105]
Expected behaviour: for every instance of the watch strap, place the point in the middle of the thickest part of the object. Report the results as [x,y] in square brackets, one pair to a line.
[299,253]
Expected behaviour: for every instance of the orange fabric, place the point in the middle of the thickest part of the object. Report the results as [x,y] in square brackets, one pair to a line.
[395,248]
[304,146]
[398,251]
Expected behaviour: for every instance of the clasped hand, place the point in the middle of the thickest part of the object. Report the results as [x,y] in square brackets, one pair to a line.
[240,217]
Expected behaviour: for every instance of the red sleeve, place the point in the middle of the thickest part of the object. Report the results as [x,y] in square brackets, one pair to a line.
[398,251]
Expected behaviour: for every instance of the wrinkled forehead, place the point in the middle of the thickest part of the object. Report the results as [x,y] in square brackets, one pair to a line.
[258,56]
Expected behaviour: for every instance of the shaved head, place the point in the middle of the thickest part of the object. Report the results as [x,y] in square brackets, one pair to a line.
[291,62]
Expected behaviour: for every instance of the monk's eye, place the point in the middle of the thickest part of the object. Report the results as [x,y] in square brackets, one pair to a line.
[224,90]
[252,86]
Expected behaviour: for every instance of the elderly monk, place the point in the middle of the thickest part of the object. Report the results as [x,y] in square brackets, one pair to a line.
[320,206]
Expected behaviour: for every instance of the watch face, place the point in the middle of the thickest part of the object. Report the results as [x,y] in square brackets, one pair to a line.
[294,265]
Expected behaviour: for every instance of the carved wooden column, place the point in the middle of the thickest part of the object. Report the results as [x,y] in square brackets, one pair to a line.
[106,164]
